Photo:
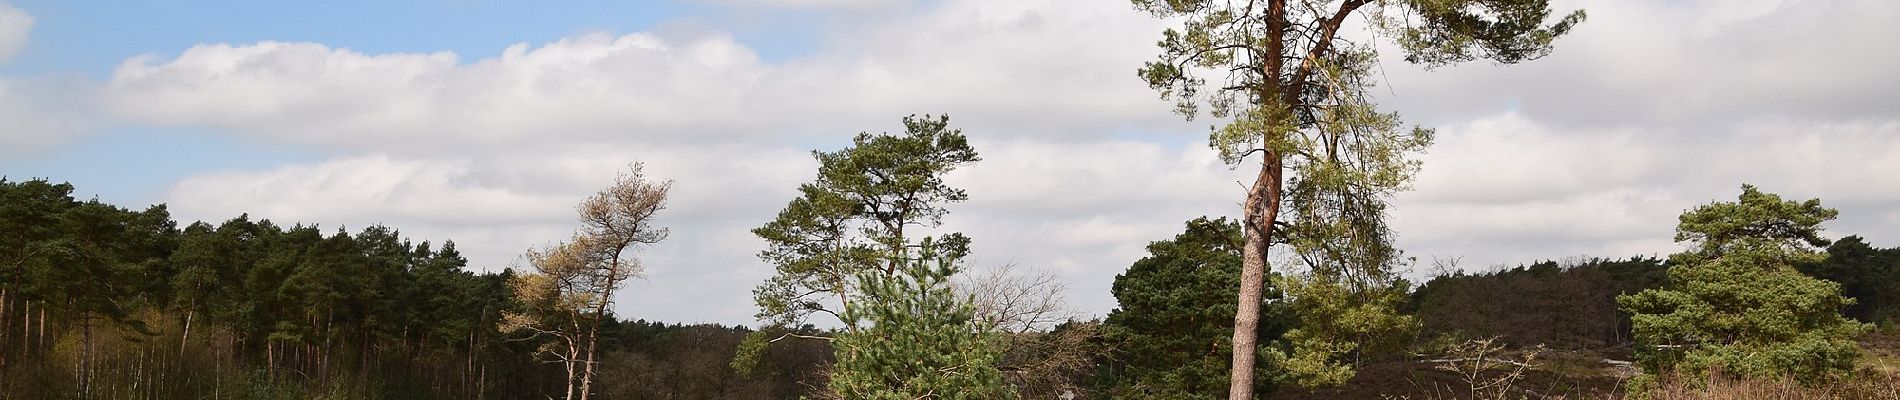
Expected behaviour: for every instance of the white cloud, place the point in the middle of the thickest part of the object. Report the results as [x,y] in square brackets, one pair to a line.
[1505,189]
[1086,210]
[1690,63]
[1648,109]
[37,114]
[589,87]
[14,25]
[989,65]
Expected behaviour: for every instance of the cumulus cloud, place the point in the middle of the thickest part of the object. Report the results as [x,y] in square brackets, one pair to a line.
[1685,63]
[1648,109]
[14,25]
[988,64]
[584,88]
[1505,189]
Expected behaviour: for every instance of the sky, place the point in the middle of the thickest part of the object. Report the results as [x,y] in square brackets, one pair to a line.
[484,122]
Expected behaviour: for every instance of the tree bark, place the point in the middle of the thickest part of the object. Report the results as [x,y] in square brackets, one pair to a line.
[6,325]
[184,337]
[85,358]
[600,313]
[1261,210]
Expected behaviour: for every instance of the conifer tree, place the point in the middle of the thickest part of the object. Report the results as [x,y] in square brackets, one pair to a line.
[568,294]
[858,216]
[1175,304]
[1296,93]
[920,338]
[1735,303]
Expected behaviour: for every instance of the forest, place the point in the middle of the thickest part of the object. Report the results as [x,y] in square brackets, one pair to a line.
[1301,292]
[107,302]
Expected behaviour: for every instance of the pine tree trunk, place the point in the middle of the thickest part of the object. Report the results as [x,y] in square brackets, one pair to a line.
[184,336]
[469,372]
[362,373]
[573,351]
[85,358]
[6,342]
[600,313]
[42,333]
[26,327]
[1261,210]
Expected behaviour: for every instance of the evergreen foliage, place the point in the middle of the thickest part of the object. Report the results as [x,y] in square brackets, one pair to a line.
[1339,327]
[101,301]
[1296,93]
[1169,333]
[855,215]
[1567,306]
[1869,275]
[920,338]
[1735,303]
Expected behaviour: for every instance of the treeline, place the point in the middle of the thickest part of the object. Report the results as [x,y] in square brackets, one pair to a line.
[1572,304]
[1569,305]
[99,301]
[1166,338]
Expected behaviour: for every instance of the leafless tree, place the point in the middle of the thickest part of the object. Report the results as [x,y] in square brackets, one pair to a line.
[1008,300]
[1048,352]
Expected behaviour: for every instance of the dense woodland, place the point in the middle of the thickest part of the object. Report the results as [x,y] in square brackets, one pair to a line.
[102,301]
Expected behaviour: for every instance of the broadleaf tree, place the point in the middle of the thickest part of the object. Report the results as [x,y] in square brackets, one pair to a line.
[1295,92]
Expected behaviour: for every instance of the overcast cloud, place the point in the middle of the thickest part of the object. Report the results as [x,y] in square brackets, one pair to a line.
[1647,109]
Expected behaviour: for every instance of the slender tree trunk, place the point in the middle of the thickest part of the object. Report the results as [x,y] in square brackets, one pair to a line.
[573,351]
[600,314]
[362,372]
[138,368]
[1261,209]
[6,325]
[469,372]
[587,374]
[184,336]
[26,327]
[85,358]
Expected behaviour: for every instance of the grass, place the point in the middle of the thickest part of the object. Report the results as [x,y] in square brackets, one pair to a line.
[1594,374]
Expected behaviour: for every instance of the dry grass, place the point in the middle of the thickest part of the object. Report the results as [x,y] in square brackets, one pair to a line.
[1867,387]
[1585,374]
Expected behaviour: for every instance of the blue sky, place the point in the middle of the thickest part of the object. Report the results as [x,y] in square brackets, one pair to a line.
[484,122]
[90,40]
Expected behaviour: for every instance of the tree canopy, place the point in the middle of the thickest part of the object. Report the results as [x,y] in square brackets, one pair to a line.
[1295,91]
[1735,302]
